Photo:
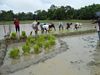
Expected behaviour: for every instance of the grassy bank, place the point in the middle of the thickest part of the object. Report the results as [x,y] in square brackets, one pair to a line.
[44,21]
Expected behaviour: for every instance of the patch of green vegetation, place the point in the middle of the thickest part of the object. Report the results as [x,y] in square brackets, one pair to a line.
[14,53]
[26,49]
[52,42]
[13,35]
[40,44]
[36,49]
[46,45]
[37,43]
[23,35]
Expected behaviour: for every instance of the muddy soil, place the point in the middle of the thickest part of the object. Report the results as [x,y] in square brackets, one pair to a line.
[11,65]
[82,58]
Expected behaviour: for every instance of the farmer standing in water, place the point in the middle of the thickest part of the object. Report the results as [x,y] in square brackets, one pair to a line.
[17,27]
[98,27]
[16,22]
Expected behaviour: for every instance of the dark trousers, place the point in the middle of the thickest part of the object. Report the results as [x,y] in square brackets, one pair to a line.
[99,35]
[17,28]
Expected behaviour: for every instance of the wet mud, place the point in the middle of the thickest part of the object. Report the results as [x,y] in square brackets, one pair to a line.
[82,58]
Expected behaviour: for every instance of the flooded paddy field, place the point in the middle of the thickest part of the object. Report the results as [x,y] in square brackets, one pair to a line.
[82,58]
[73,55]
[4,29]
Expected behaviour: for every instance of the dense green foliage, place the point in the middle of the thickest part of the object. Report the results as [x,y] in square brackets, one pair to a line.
[23,35]
[13,35]
[36,49]
[14,53]
[54,13]
[37,44]
[26,49]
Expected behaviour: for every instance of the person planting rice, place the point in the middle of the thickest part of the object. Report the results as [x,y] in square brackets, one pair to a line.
[98,26]
[35,26]
[61,26]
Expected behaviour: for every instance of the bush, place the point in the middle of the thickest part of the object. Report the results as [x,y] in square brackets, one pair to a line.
[14,53]
[13,35]
[36,49]
[26,49]
[23,34]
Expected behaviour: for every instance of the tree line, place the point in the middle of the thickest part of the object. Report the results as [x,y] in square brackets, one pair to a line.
[54,13]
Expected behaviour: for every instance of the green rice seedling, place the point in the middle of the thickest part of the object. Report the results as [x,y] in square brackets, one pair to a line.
[46,45]
[28,43]
[52,37]
[40,44]
[26,49]
[13,35]
[32,40]
[36,49]
[29,38]
[14,53]
[41,38]
[52,42]
[23,34]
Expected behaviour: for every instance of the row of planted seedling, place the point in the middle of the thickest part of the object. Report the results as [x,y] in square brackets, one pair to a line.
[37,44]
[13,35]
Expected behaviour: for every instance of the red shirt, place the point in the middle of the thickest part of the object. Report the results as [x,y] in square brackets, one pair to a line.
[16,22]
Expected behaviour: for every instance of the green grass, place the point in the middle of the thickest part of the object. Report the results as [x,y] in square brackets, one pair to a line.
[44,21]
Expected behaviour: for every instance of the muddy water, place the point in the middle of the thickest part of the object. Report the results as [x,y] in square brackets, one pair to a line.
[28,28]
[75,61]
[23,27]
[96,64]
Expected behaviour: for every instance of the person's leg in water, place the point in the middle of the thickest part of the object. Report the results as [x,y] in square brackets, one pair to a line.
[99,35]
[16,28]
[59,27]
[62,27]
[18,31]
[36,32]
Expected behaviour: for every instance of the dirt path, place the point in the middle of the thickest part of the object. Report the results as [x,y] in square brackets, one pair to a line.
[79,59]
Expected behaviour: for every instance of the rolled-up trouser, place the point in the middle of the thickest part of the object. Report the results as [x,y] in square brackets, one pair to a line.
[99,34]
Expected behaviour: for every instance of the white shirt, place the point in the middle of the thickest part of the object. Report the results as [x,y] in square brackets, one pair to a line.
[46,26]
[97,27]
